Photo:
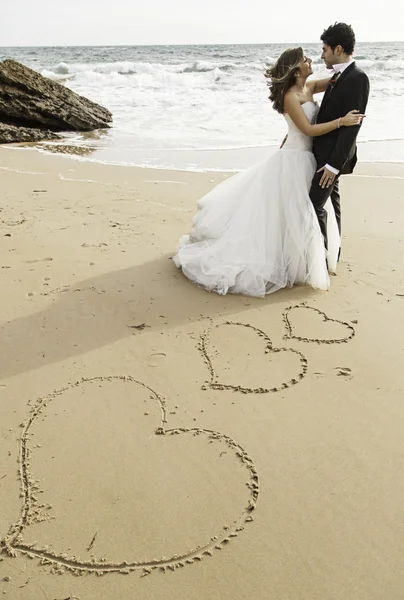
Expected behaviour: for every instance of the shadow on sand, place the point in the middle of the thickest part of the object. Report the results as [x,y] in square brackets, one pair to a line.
[100,310]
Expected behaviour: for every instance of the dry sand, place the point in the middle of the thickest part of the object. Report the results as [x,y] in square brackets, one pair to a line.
[181,444]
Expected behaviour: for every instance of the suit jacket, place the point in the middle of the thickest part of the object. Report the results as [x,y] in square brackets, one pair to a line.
[338,148]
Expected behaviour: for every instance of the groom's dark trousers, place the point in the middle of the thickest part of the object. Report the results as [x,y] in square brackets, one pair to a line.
[337,148]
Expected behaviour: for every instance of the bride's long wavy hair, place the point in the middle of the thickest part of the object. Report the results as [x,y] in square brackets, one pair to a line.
[282,76]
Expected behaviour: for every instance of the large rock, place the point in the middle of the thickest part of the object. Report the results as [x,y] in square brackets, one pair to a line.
[11,133]
[29,100]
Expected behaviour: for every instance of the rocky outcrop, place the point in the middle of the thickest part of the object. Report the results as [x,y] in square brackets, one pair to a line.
[29,101]
[11,133]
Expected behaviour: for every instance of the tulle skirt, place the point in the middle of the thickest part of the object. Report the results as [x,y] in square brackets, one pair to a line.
[257,232]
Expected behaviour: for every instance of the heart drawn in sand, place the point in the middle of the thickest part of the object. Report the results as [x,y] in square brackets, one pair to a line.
[104,489]
[342,331]
[246,358]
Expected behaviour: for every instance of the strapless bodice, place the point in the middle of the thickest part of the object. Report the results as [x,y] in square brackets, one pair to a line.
[296,139]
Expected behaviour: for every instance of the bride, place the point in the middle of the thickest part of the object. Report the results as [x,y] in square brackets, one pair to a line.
[257,232]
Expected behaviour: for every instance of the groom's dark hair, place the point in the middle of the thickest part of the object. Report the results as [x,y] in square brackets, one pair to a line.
[339,34]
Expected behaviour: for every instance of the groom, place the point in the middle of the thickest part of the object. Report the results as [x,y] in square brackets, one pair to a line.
[335,152]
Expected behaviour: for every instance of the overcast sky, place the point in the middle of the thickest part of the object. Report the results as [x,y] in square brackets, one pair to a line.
[132,22]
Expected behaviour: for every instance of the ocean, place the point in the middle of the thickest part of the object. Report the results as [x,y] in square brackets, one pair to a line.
[205,107]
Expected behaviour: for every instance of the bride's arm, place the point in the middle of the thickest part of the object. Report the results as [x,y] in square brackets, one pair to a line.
[317,86]
[294,109]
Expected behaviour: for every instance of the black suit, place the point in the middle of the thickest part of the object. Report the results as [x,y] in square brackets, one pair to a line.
[337,148]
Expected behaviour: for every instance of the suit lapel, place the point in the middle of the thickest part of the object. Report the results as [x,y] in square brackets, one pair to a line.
[330,92]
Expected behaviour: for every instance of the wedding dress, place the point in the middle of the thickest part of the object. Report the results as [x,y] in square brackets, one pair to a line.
[257,232]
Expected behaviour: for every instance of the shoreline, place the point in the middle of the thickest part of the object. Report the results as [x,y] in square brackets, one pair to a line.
[225,104]
[75,154]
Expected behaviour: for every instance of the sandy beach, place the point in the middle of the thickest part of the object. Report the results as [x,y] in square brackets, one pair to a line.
[160,442]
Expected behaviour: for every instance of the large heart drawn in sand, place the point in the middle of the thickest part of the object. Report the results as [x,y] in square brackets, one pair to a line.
[141,496]
[339,331]
[242,358]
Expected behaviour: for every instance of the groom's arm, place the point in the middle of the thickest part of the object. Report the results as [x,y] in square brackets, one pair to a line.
[358,99]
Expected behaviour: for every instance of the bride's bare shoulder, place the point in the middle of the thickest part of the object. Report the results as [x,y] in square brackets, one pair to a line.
[292,99]
[291,93]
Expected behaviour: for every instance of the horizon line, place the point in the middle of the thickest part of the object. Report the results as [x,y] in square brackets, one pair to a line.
[190,45]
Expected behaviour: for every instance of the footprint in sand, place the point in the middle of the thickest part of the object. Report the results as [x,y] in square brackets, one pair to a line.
[241,357]
[13,223]
[125,497]
[67,288]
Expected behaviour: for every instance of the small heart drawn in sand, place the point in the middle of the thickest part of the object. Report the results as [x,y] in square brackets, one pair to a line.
[241,357]
[106,485]
[298,321]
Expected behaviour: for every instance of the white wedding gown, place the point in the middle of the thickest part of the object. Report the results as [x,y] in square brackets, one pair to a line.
[257,232]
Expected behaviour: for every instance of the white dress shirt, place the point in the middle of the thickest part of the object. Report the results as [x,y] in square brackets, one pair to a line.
[338,68]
